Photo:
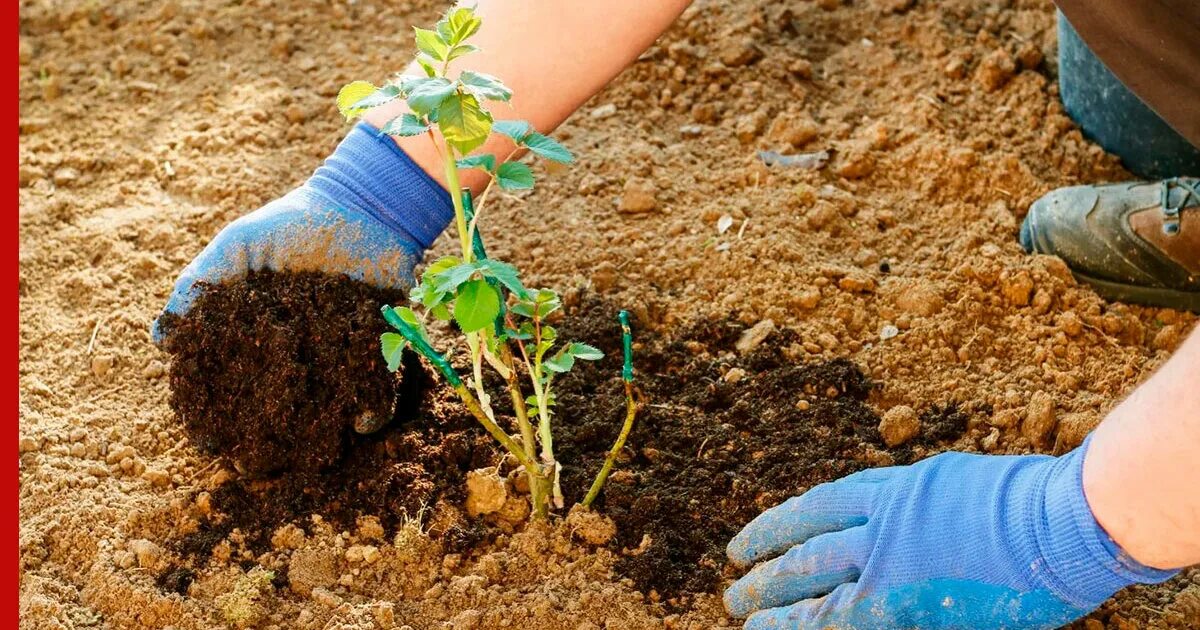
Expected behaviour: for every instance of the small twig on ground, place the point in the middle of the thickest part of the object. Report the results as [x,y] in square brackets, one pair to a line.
[95,331]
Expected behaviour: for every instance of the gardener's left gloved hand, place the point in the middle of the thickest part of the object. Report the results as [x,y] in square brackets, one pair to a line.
[369,212]
[954,541]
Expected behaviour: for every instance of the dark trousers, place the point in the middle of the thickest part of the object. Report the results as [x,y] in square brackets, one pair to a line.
[1115,118]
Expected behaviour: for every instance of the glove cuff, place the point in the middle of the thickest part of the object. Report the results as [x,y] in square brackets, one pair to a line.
[1085,564]
[369,173]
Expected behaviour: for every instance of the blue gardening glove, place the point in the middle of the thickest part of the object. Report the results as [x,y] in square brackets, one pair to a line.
[368,212]
[954,541]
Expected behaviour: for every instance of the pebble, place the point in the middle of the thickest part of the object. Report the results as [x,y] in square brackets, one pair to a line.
[739,52]
[146,552]
[991,441]
[119,453]
[754,336]
[899,425]
[734,375]
[604,111]
[748,126]
[794,129]
[802,405]
[921,299]
[1017,288]
[65,176]
[808,298]
[101,364]
[486,492]
[995,70]
[1039,419]
[888,331]
[157,478]
[637,197]
[154,369]
[295,114]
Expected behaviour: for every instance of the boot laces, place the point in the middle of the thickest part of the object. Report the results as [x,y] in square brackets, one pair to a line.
[1189,190]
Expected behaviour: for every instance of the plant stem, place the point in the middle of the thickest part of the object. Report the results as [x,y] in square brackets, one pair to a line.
[631,409]
[460,215]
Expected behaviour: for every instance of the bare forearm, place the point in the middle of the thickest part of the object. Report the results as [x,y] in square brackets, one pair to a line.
[554,54]
[1142,471]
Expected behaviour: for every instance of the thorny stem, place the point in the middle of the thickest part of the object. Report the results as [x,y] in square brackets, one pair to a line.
[439,361]
[631,408]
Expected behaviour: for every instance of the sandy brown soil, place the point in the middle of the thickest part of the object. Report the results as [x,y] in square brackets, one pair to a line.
[146,126]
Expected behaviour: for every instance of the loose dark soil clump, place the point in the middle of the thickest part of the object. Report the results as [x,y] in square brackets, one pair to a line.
[708,454]
[273,372]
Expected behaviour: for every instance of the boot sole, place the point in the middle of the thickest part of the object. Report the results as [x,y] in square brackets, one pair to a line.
[1117,291]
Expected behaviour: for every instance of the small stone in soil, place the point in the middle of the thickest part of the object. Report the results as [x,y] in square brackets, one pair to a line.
[899,425]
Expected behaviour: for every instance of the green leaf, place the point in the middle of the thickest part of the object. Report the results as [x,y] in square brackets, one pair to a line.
[584,352]
[442,312]
[486,161]
[561,362]
[427,94]
[464,124]
[476,306]
[460,50]
[393,349]
[514,176]
[515,129]
[548,147]
[451,278]
[405,125]
[385,94]
[458,25]
[503,273]
[431,43]
[549,333]
[423,61]
[352,93]
[485,86]
[523,309]
[440,265]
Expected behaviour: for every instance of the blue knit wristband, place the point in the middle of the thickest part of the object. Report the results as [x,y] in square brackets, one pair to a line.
[369,173]
[1087,565]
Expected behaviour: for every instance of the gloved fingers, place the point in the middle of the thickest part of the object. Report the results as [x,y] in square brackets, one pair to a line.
[837,610]
[828,507]
[809,570]
[223,258]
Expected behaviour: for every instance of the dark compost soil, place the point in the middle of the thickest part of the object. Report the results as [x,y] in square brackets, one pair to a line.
[273,371]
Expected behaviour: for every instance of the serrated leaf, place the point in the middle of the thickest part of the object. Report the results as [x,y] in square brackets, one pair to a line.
[431,43]
[450,278]
[561,362]
[464,124]
[503,273]
[393,345]
[485,86]
[486,161]
[549,333]
[476,306]
[523,309]
[352,93]
[547,147]
[423,61]
[584,352]
[514,176]
[515,129]
[426,94]
[385,94]
[459,24]
[405,125]
[460,50]
[440,265]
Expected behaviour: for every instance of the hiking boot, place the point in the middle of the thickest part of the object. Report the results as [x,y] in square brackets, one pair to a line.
[1133,242]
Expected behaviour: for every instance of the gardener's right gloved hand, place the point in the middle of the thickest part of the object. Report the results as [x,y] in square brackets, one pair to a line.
[368,212]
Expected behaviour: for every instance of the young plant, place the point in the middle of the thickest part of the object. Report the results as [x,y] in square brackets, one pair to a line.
[503,323]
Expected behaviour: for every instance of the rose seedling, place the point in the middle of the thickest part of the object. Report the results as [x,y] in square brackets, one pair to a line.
[504,324]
